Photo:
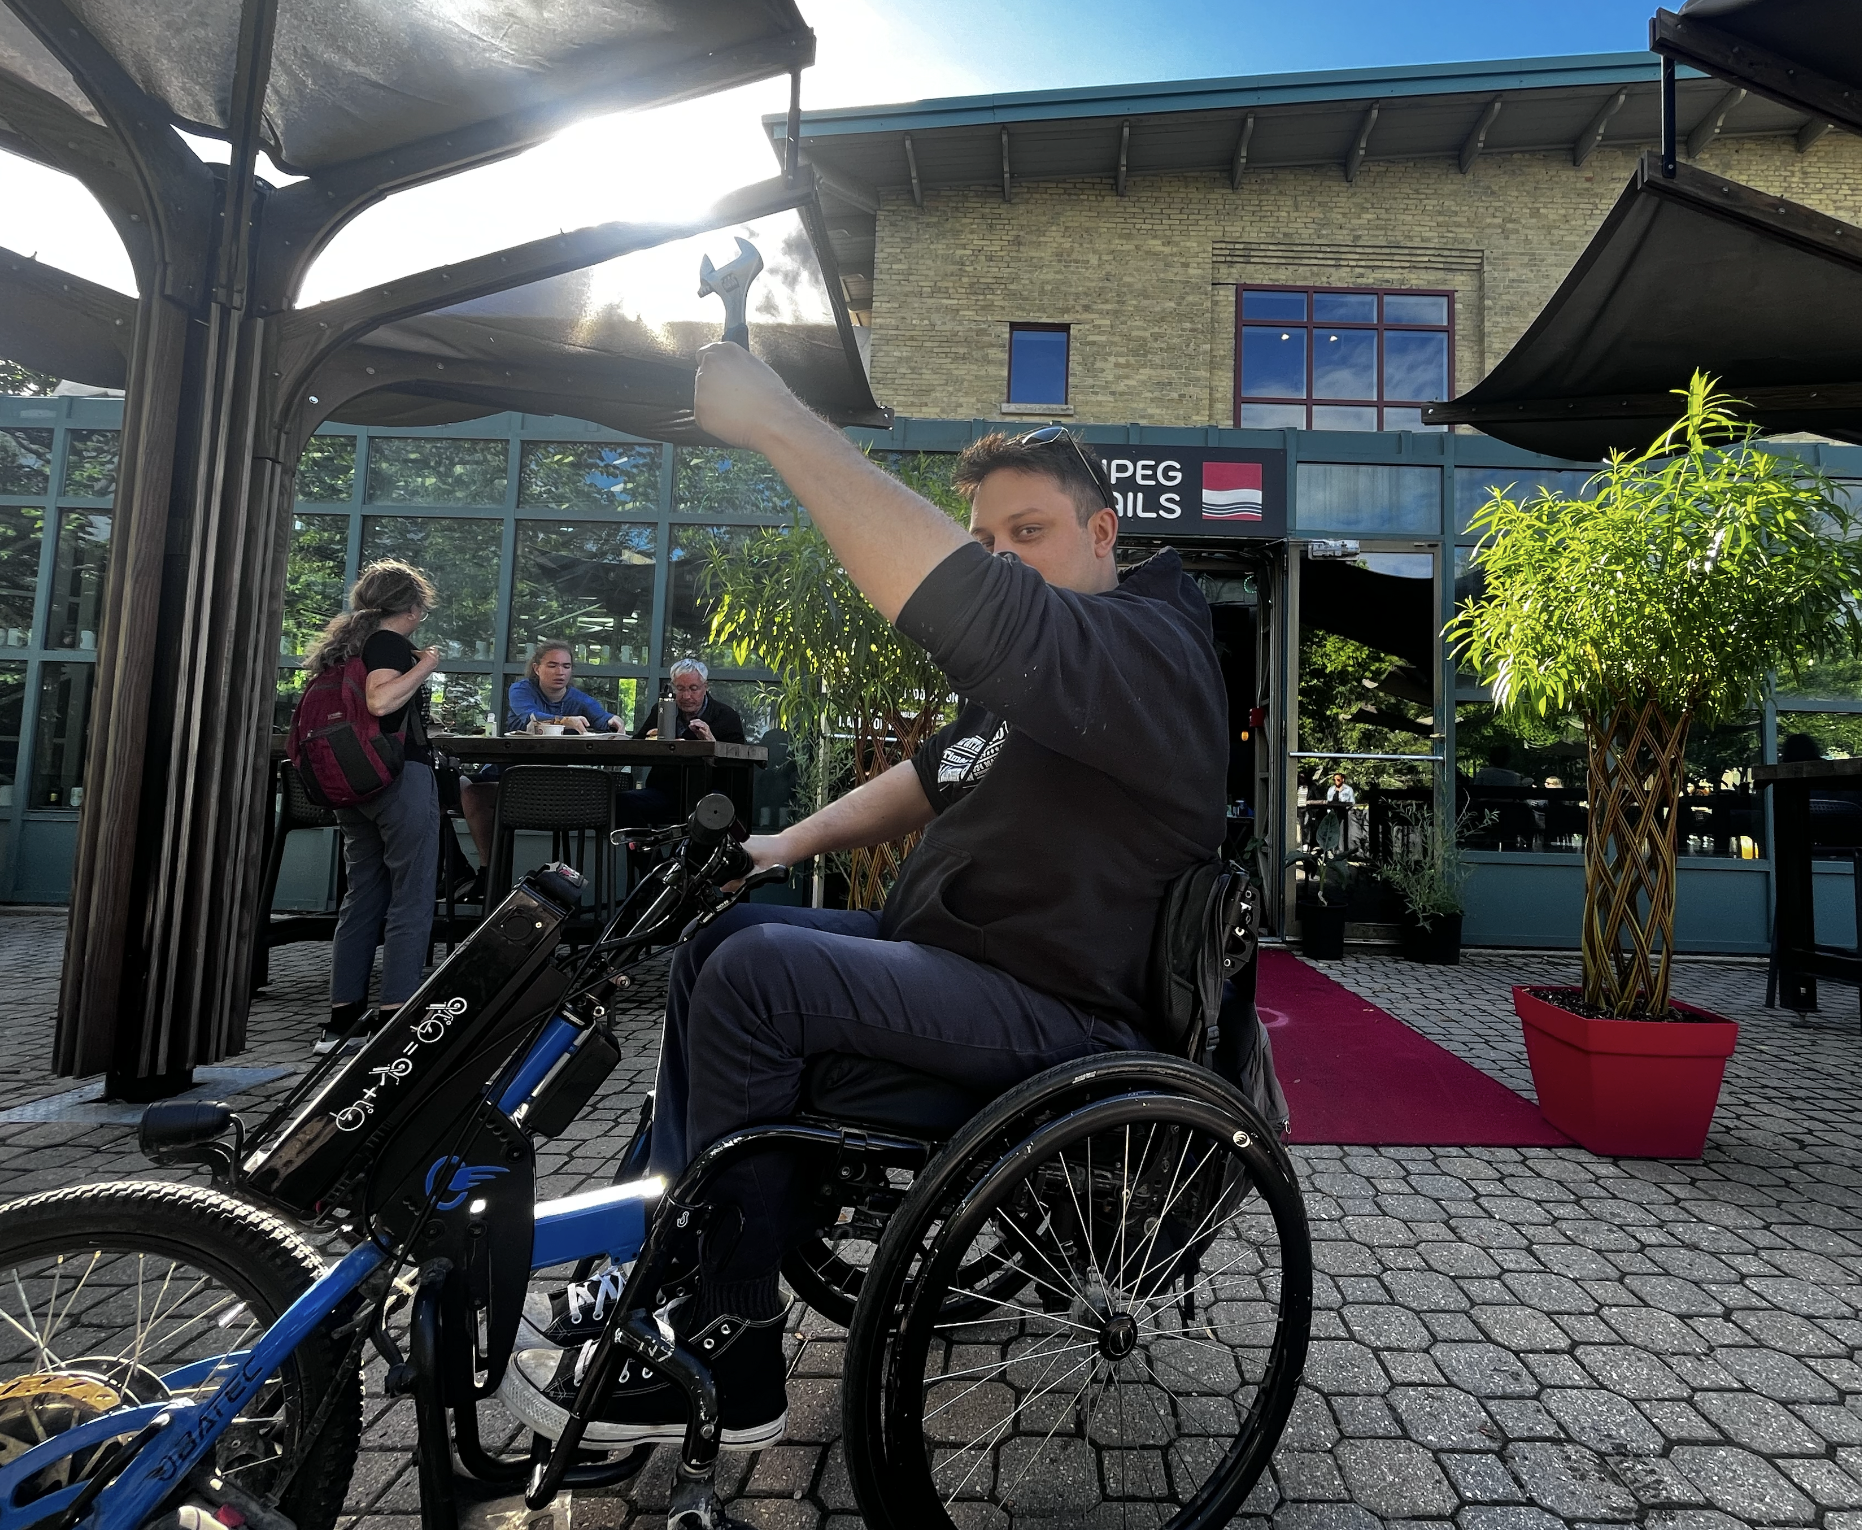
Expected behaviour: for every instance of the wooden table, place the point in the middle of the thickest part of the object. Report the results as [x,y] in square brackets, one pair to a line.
[702,766]
[1797,960]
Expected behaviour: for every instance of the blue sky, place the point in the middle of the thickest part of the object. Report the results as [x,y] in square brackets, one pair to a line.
[870,52]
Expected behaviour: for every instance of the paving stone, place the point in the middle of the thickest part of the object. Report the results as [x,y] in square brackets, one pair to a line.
[1657,1483]
[1631,1372]
[1649,1328]
[1779,1377]
[1307,1476]
[1325,1516]
[1486,1370]
[1603,1421]
[1760,1424]
[1483,1518]
[1520,1328]
[1570,1481]
[1523,1419]
[1839,1425]
[1826,1482]
[1679,1421]
[1387,1327]
[1481,1478]
[1444,1418]
[1340,1366]
[1395,1478]
[1365,1418]
[1743,1484]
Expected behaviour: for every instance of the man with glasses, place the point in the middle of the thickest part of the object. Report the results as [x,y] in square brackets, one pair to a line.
[1083,772]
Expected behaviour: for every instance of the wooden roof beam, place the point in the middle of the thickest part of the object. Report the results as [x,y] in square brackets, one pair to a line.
[1811,134]
[1592,135]
[911,164]
[1362,146]
[1241,153]
[1477,140]
[1007,184]
[1124,152]
[1708,128]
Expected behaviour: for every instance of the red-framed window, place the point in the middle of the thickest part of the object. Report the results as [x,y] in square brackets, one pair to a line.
[1342,358]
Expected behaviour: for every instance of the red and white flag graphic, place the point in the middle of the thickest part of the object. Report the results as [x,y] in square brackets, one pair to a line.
[1231,491]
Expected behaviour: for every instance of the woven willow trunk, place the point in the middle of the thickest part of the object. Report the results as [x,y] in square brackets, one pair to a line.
[879,744]
[1636,786]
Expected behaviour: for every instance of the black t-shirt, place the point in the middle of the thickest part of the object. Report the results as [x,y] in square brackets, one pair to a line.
[390,650]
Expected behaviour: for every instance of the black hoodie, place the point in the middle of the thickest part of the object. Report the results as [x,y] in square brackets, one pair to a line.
[1084,773]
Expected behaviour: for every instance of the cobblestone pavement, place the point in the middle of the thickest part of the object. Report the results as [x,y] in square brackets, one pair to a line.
[1504,1338]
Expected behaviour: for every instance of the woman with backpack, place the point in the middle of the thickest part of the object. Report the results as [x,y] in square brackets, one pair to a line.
[390,831]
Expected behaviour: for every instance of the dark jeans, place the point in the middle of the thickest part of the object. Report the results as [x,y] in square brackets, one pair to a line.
[390,852]
[766,988]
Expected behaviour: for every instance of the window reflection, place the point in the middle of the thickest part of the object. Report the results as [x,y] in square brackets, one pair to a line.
[587,583]
[12,711]
[90,463]
[1354,498]
[688,606]
[313,581]
[22,530]
[327,470]
[1474,486]
[723,481]
[61,734]
[461,558]
[588,475]
[25,461]
[437,470]
[77,579]
[460,703]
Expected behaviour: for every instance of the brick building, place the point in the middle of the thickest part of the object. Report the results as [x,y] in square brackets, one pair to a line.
[1284,269]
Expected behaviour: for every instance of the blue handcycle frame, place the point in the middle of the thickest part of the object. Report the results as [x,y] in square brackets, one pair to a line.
[170,1439]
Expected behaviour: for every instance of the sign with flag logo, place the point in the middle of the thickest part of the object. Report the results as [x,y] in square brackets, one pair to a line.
[1196,491]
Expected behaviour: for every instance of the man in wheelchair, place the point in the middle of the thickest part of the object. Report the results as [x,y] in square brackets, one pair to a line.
[1082,776]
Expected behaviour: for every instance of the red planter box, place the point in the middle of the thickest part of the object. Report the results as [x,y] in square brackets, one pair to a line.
[1627,1088]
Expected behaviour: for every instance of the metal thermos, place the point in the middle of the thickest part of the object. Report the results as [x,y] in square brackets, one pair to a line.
[668,718]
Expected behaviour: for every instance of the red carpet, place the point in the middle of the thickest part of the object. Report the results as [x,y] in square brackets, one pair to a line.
[1353,1074]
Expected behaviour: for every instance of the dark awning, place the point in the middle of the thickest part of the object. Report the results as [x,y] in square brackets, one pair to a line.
[1685,273]
[1804,54]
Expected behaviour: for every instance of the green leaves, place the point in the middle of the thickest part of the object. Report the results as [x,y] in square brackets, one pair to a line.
[1702,564]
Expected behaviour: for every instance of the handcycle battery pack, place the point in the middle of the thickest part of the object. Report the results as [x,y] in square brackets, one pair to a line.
[470,1012]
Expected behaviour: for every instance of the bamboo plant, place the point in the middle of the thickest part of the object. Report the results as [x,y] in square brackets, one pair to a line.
[1700,567]
[841,669]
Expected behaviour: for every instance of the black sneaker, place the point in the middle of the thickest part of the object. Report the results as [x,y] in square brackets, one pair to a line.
[646,1407]
[568,1318]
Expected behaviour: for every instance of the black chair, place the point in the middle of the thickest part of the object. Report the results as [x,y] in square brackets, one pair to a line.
[573,804]
[295,811]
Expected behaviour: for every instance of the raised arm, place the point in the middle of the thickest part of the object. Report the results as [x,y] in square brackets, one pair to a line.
[887,807]
[886,537]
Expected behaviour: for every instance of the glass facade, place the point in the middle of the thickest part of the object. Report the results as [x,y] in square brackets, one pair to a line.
[1339,359]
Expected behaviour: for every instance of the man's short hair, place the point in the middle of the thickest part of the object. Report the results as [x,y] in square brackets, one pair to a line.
[690,667]
[1062,461]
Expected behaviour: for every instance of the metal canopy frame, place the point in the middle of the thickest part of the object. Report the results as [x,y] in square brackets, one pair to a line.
[220,371]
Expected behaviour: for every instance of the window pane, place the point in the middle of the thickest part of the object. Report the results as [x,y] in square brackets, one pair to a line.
[1415,365]
[313,578]
[688,609]
[1722,815]
[63,731]
[12,709]
[22,529]
[1344,307]
[327,470]
[1273,305]
[1520,782]
[1414,308]
[587,583]
[25,461]
[1273,363]
[588,475]
[435,470]
[1474,486]
[1344,364]
[460,703]
[1344,417]
[1273,416]
[1038,366]
[1837,679]
[461,558]
[90,464]
[716,481]
[284,702]
[1354,498]
[77,579]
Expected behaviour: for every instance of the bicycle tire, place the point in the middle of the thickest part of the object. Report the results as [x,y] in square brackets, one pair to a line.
[257,1256]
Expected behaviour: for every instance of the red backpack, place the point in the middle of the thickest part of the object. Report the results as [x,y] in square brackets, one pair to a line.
[337,744]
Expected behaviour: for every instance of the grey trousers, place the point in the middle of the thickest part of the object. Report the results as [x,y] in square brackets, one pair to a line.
[390,851]
[766,988]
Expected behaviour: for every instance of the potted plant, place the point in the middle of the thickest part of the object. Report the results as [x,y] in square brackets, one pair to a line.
[1427,871]
[1320,902]
[1700,566]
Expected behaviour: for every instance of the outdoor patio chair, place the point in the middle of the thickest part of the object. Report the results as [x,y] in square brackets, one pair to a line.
[574,805]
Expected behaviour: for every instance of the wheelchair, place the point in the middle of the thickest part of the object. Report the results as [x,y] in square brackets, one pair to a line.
[1087,1298]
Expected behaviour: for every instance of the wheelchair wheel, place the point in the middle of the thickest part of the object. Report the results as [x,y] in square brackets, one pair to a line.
[1146,1367]
[112,1296]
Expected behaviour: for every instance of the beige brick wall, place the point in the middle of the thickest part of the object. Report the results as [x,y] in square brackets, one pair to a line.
[1148,280]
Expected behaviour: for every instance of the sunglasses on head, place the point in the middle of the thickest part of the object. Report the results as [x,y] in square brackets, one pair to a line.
[1049,433]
